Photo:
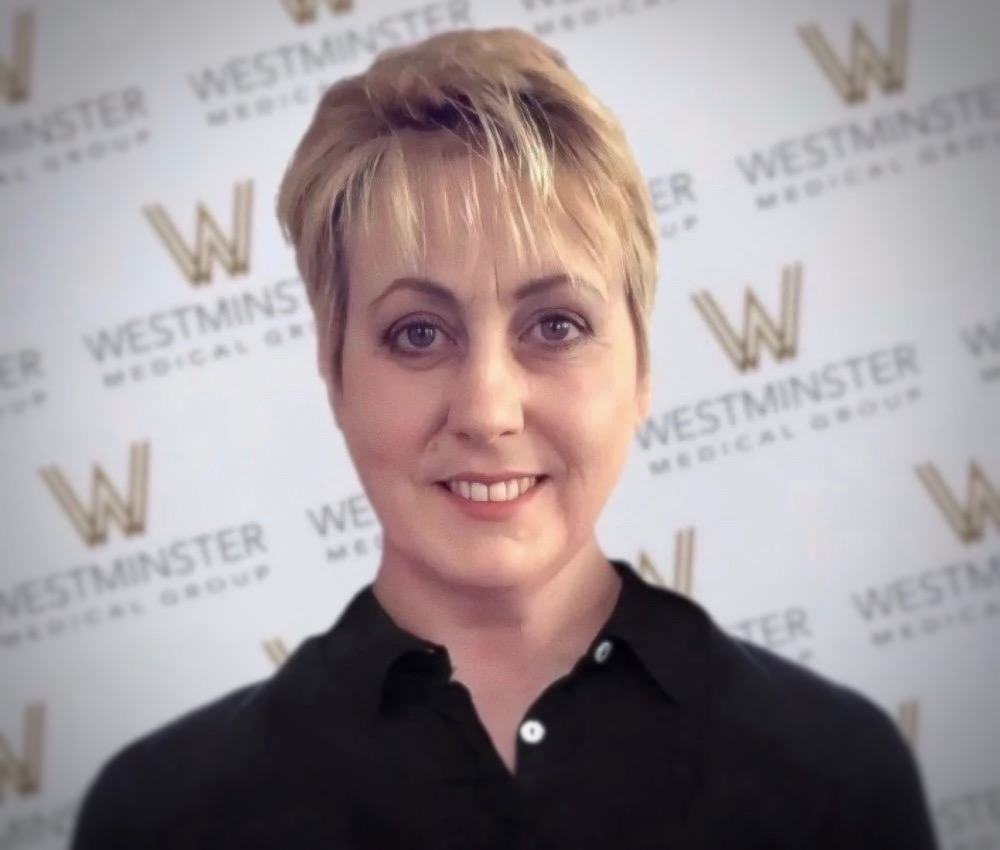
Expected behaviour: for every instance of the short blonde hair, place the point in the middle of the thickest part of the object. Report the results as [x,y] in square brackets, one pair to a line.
[509,102]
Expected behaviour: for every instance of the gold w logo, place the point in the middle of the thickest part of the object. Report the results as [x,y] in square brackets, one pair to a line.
[866,62]
[908,721]
[210,243]
[982,501]
[106,504]
[276,651]
[23,774]
[759,329]
[304,11]
[683,582]
[15,78]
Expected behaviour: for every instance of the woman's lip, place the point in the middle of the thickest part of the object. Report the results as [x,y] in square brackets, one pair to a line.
[488,510]
[536,477]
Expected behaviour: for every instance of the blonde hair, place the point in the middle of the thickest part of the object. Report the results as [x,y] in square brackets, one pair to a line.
[508,102]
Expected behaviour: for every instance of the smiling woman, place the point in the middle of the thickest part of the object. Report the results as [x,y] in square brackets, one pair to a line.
[497,347]
[478,245]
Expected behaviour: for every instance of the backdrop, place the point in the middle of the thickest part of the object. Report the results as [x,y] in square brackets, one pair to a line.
[821,468]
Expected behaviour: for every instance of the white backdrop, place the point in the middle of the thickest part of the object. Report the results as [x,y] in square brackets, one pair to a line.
[178,510]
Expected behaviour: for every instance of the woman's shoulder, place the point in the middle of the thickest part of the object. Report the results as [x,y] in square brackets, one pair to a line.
[812,726]
[749,685]
[759,690]
[829,761]
[796,695]
[158,775]
[184,767]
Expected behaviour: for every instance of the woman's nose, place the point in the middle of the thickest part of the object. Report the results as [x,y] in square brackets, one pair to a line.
[487,398]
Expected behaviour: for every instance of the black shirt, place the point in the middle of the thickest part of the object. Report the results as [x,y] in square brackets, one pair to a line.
[667,733]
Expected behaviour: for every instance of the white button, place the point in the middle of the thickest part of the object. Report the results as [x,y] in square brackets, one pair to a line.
[532,731]
[602,652]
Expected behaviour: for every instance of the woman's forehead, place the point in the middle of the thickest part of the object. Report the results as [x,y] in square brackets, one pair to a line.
[453,219]
[442,252]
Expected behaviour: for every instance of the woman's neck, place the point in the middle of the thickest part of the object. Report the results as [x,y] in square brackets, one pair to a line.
[529,633]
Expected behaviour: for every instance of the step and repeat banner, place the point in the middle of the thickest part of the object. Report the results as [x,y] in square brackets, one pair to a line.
[821,466]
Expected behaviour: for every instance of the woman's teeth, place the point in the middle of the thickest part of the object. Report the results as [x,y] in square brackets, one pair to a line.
[502,491]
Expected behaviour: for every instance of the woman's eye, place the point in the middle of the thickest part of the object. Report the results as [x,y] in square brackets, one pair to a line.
[420,335]
[559,329]
[417,337]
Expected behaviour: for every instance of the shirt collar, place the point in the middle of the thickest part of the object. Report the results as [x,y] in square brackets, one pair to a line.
[668,632]
[364,644]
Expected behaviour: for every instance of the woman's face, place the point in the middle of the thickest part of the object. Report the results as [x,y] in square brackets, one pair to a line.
[471,375]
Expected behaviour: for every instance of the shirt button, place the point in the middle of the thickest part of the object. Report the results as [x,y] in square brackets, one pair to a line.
[532,731]
[603,651]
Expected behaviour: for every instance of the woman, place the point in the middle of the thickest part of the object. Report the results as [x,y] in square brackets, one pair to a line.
[478,246]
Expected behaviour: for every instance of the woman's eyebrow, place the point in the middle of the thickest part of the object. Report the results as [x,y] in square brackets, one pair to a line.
[442,293]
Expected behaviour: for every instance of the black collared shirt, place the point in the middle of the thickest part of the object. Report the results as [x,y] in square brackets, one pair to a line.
[667,733]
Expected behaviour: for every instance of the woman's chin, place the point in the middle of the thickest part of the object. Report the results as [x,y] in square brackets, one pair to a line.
[484,572]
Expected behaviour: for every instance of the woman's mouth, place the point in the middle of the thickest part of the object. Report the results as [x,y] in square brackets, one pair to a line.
[494,501]
[501,491]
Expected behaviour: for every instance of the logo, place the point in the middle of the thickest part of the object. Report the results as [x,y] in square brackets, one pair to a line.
[867,147]
[982,341]
[776,408]
[42,137]
[551,18]
[969,819]
[347,528]
[866,63]
[674,202]
[683,579]
[304,11]
[982,501]
[270,80]
[963,592]
[787,631]
[759,328]
[22,382]
[217,326]
[276,651]
[908,721]
[130,577]
[106,503]
[211,244]
[15,73]
[21,773]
